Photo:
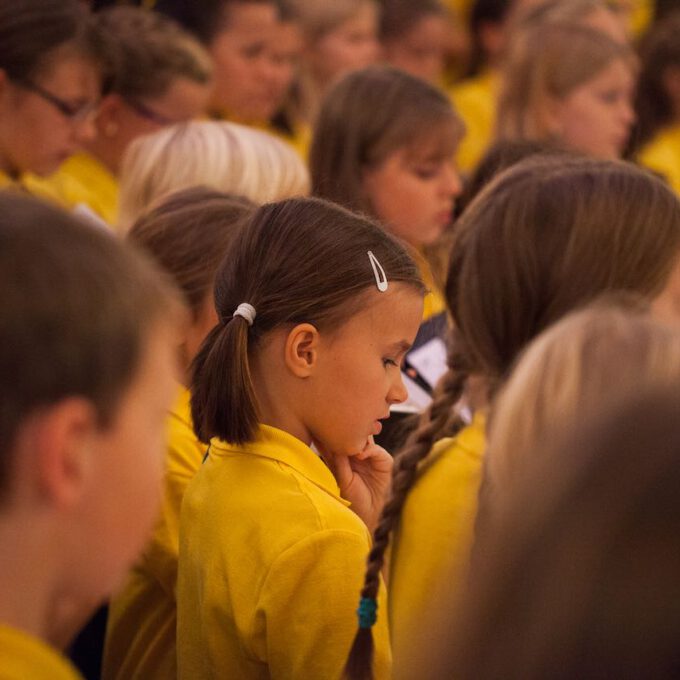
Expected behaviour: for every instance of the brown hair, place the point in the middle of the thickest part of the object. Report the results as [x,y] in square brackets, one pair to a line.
[76,306]
[660,51]
[366,117]
[398,17]
[545,237]
[149,52]
[204,19]
[188,235]
[580,579]
[32,31]
[299,260]
[547,62]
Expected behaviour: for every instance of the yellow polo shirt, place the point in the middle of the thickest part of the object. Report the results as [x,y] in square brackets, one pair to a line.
[662,155]
[475,100]
[24,657]
[431,549]
[84,180]
[271,564]
[141,629]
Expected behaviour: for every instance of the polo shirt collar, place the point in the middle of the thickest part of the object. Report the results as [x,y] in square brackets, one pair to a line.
[275,444]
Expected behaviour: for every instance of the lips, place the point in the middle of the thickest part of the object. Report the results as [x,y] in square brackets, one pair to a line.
[377,428]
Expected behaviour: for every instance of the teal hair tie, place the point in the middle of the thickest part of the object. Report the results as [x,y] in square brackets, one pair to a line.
[367,612]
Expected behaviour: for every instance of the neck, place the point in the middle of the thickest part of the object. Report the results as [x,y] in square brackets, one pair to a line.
[28,592]
[106,153]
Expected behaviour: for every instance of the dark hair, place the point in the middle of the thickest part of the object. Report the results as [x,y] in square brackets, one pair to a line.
[149,51]
[500,156]
[188,235]
[76,304]
[32,30]
[659,52]
[398,17]
[368,115]
[580,576]
[545,237]
[205,19]
[299,260]
[482,13]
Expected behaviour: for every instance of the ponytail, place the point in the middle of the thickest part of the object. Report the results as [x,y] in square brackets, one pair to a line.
[439,420]
[221,375]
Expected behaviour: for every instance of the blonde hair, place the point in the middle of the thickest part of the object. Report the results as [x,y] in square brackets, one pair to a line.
[547,62]
[597,354]
[320,17]
[219,155]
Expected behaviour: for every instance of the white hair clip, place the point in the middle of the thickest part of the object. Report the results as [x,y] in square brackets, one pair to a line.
[247,312]
[379,272]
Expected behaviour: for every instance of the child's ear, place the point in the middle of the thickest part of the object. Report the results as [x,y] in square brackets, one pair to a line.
[64,438]
[301,350]
[108,115]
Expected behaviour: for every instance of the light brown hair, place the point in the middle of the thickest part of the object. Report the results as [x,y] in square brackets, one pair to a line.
[149,52]
[188,235]
[296,261]
[366,117]
[545,64]
[545,237]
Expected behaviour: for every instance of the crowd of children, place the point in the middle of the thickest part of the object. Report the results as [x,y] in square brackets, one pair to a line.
[339,339]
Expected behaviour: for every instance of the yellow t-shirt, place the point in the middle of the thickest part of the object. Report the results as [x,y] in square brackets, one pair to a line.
[662,155]
[476,102]
[24,657]
[141,630]
[270,567]
[429,560]
[82,180]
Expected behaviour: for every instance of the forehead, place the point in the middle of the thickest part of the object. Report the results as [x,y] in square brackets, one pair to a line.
[71,75]
[251,17]
[437,143]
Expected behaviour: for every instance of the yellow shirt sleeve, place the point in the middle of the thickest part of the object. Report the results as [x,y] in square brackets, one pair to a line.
[662,156]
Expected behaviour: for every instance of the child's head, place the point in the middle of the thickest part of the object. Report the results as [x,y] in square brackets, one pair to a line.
[568,83]
[384,144]
[161,76]
[237,33]
[317,307]
[579,579]
[415,37]
[87,366]
[340,36]
[658,92]
[220,155]
[610,350]
[188,235]
[49,83]
[544,238]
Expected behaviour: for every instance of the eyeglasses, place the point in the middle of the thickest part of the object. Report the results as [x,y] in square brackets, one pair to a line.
[148,113]
[78,113]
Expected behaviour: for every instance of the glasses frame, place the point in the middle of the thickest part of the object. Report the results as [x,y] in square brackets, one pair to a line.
[77,114]
[145,112]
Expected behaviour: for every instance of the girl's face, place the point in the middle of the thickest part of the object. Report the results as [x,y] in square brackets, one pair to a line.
[246,77]
[358,375]
[350,46]
[124,488]
[422,51]
[412,192]
[45,120]
[597,116]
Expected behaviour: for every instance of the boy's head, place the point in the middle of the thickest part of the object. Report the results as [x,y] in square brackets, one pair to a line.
[87,353]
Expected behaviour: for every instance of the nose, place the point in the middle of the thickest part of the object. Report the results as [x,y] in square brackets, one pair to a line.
[451,182]
[397,392]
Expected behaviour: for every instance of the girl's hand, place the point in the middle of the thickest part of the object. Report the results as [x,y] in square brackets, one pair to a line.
[364,479]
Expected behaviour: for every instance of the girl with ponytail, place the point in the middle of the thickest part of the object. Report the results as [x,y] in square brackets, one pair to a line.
[544,238]
[317,308]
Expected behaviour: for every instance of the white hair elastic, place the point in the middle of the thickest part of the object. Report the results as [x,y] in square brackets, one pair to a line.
[247,312]
[379,272]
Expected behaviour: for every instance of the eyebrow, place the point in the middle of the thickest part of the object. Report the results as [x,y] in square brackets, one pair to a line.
[400,347]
